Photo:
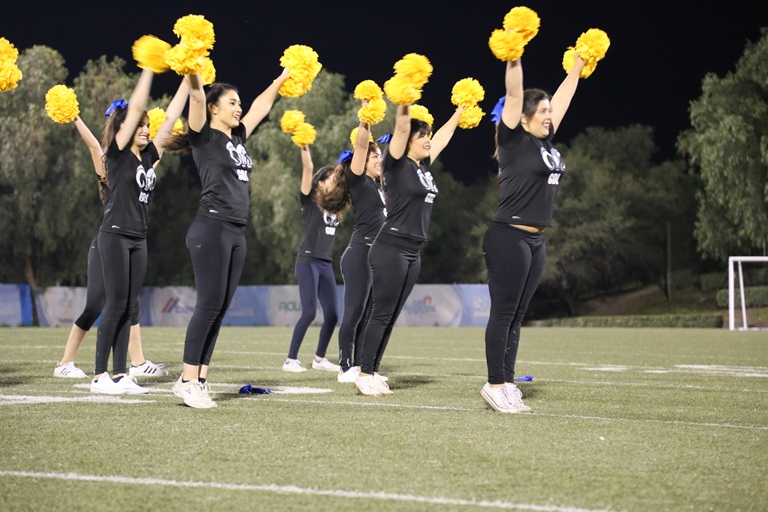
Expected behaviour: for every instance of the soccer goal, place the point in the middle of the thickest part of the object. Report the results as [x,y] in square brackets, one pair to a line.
[735,269]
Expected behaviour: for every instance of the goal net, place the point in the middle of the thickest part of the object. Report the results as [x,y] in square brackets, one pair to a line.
[747,291]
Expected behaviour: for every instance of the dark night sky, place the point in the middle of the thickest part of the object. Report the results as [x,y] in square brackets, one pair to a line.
[659,53]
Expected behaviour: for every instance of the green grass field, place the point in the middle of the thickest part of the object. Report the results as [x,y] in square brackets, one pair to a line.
[623,419]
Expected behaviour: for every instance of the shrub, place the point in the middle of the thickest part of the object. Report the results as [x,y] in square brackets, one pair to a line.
[700,320]
[754,297]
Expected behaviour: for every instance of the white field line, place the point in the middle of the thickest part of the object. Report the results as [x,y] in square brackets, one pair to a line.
[45,399]
[292,489]
[574,416]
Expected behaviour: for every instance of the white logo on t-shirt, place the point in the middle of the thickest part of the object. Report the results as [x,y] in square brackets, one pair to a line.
[240,156]
[146,181]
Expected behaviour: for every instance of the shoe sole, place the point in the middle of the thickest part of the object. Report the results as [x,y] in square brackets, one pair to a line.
[295,371]
[495,407]
[360,392]
[336,370]
[106,392]
[143,391]
[196,405]
[83,376]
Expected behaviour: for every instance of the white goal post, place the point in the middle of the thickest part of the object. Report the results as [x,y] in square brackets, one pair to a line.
[733,261]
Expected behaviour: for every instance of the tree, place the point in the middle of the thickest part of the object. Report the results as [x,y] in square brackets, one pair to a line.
[39,199]
[609,226]
[728,146]
[275,208]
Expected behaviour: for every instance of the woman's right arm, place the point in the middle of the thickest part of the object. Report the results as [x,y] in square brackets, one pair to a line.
[136,105]
[360,150]
[197,114]
[513,104]
[94,148]
[402,132]
[306,171]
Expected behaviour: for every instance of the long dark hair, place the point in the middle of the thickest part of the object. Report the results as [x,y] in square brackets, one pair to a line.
[114,123]
[336,200]
[213,92]
[531,100]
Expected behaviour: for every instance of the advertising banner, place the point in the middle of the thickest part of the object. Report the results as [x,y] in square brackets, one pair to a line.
[59,306]
[15,305]
[431,305]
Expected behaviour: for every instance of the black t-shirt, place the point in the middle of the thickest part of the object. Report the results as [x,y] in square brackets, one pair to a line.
[529,173]
[225,169]
[319,230]
[131,181]
[411,190]
[368,205]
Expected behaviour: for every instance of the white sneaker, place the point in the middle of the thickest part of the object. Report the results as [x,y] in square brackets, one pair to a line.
[516,397]
[381,385]
[293,365]
[366,386]
[325,364]
[69,371]
[385,379]
[131,387]
[497,398]
[106,386]
[148,369]
[349,375]
[192,394]
[206,389]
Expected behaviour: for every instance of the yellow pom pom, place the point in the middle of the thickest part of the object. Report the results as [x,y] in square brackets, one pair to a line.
[303,65]
[304,135]
[568,61]
[415,68]
[207,71]
[149,52]
[524,21]
[592,45]
[178,127]
[368,90]
[353,136]
[184,60]
[374,113]
[195,32]
[422,114]
[291,120]
[507,45]
[10,74]
[8,52]
[467,92]
[401,92]
[471,117]
[61,104]
[156,119]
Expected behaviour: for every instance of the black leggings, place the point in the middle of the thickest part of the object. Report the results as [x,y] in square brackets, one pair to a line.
[124,260]
[316,281]
[395,264]
[95,295]
[515,260]
[218,255]
[356,271]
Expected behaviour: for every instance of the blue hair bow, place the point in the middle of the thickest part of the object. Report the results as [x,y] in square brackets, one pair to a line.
[344,156]
[121,103]
[496,112]
[384,139]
